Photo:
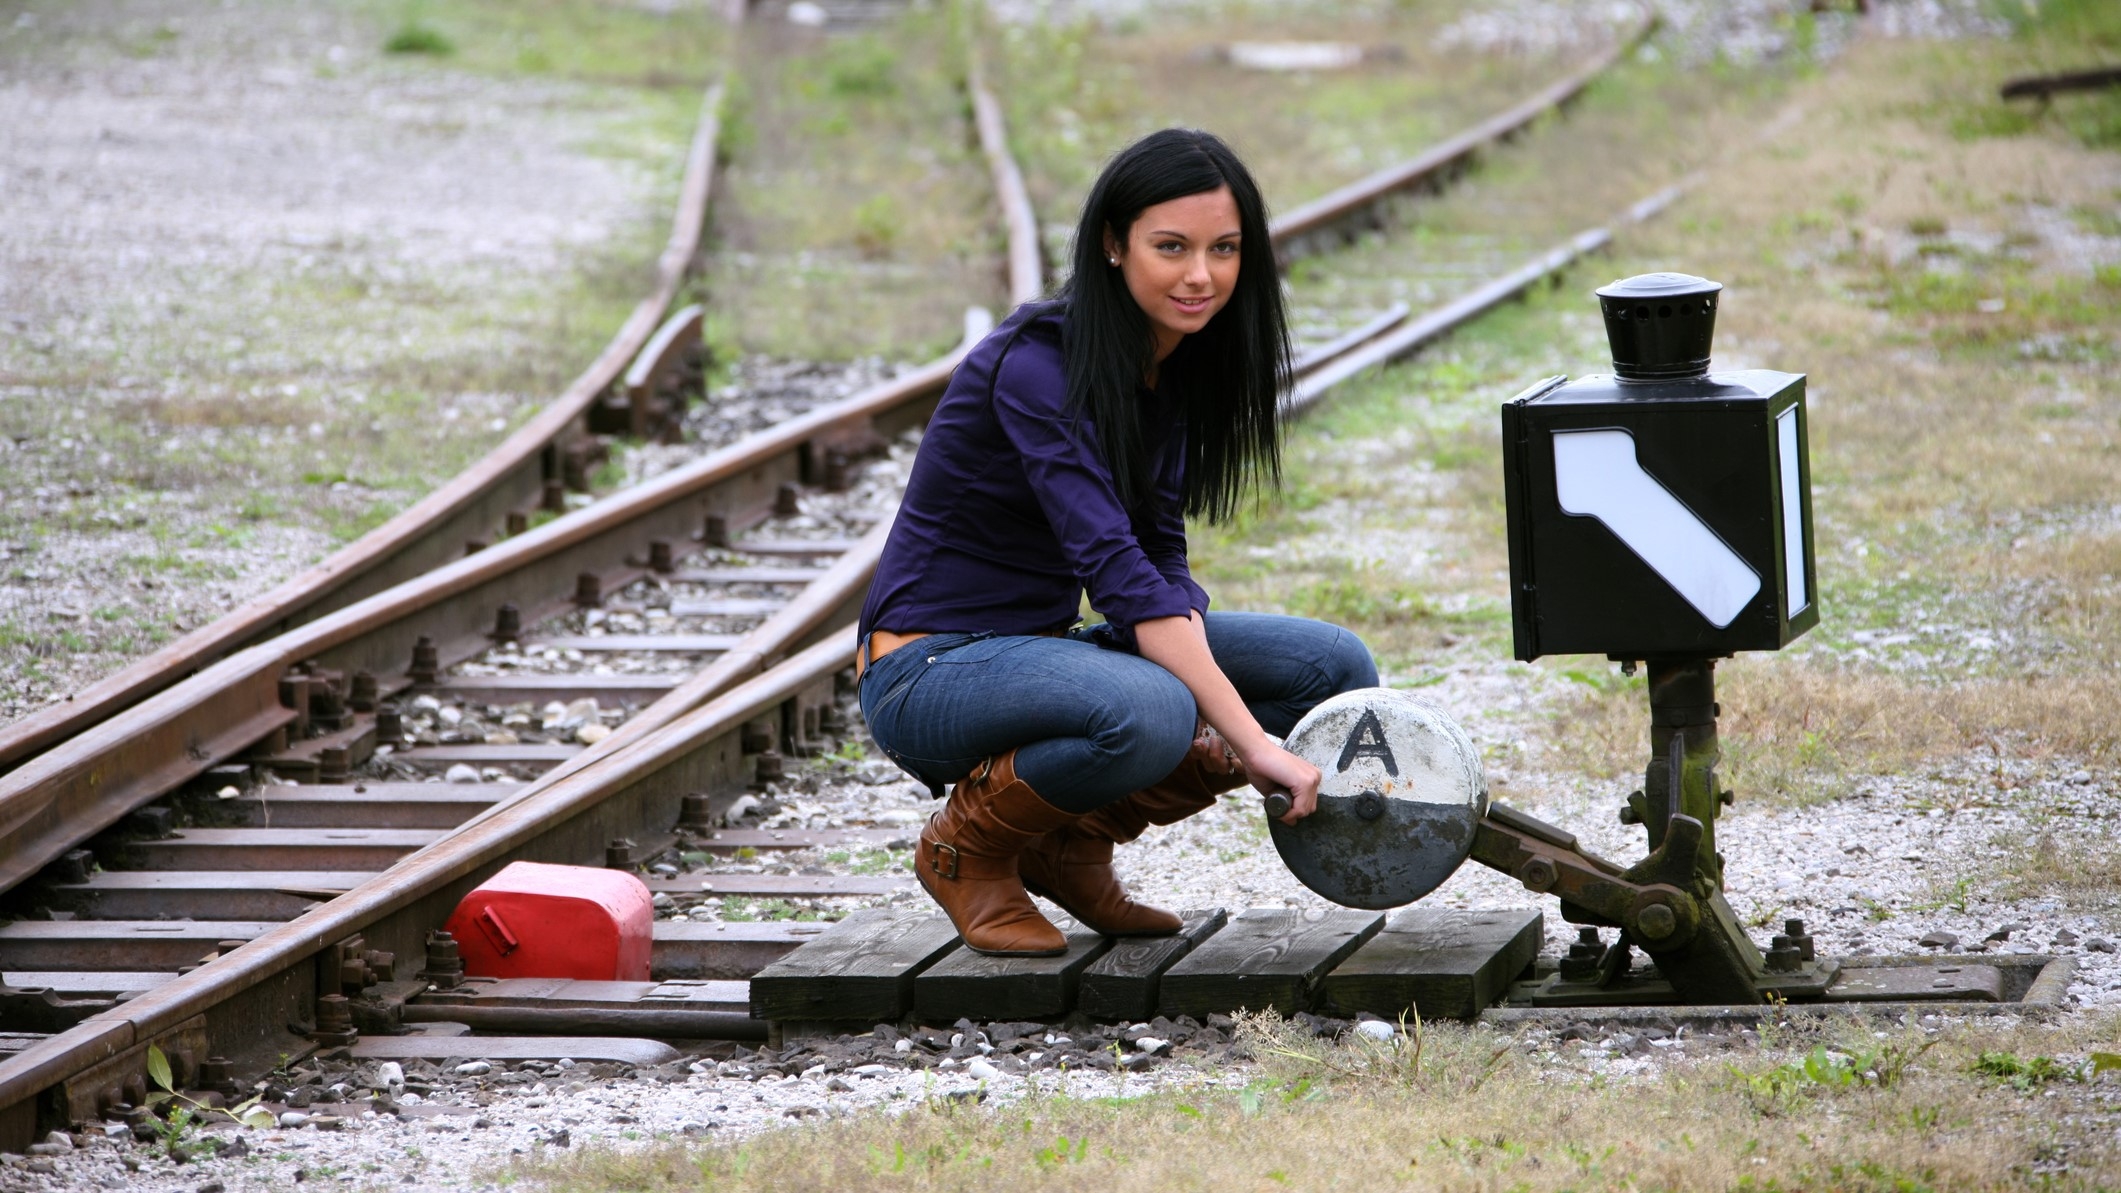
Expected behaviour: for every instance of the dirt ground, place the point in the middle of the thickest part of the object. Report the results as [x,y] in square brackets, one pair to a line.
[262,283]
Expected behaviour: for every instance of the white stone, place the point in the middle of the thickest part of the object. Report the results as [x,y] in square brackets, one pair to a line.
[462,772]
[294,1120]
[805,13]
[474,1068]
[592,733]
[1294,55]
[1376,1029]
[980,1069]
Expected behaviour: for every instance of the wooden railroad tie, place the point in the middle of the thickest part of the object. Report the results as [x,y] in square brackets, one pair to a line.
[881,965]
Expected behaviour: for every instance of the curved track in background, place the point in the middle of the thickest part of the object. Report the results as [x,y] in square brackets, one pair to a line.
[512,478]
[686,755]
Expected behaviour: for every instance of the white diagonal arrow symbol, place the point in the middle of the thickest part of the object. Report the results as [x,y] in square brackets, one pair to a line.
[1596,475]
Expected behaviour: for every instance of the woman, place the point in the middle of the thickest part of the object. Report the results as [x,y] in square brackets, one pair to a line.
[1065,456]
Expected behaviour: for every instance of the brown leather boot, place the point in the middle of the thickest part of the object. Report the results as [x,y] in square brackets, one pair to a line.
[1073,866]
[967,861]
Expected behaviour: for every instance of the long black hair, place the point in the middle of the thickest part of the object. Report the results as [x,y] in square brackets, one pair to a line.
[1227,379]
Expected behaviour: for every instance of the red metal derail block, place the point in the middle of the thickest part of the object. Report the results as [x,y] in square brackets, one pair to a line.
[534,920]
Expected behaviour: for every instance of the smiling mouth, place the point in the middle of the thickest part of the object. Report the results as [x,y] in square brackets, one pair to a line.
[1192,306]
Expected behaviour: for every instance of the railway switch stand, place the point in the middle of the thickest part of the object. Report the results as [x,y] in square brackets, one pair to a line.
[1660,515]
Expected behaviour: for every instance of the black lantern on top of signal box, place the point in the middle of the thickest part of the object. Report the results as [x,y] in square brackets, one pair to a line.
[1663,511]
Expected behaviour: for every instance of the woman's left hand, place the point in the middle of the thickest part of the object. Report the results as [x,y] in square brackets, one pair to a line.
[1273,769]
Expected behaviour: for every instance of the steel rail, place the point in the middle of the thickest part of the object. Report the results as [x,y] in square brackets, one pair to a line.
[397,906]
[86,784]
[1451,154]
[425,534]
[1397,337]
[1027,271]
[490,838]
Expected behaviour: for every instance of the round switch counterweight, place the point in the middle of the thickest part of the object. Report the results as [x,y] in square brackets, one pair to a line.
[1401,794]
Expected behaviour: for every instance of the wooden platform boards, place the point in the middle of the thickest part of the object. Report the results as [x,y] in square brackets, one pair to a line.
[882,966]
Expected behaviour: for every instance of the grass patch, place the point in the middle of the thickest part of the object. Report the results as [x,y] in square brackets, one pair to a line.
[1996,302]
[1451,1108]
[412,37]
[745,909]
[1079,90]
[678,49]
[1797,732]
[2071,859]
[856,216]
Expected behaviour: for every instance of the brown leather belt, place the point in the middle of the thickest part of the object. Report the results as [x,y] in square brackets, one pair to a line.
[883,642]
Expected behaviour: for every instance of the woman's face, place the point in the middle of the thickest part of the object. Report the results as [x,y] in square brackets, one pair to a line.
[1180,263]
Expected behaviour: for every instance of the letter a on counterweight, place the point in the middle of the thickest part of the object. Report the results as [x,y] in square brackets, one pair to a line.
[1368,741]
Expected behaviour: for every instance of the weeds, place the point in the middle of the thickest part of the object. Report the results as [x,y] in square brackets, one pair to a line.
[862,67]
[2023,1074]
[413,37]
[876,226]
[1778,1090]
[744,909]
[181,1112]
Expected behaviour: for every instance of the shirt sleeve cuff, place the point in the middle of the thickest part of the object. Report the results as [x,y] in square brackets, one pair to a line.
[1173,600]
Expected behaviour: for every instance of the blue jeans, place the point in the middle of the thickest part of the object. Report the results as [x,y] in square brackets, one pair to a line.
[1090,725]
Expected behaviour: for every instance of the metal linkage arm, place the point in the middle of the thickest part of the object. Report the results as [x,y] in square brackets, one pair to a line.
[1698,945]
[1547,859]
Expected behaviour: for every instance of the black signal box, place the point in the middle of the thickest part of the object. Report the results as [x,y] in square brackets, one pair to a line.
[1664,514]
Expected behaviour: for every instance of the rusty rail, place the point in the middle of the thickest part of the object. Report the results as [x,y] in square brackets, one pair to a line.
[1395,336]
[1027,270]
[1453,153]
[89,782]
[427,533]
[626,789]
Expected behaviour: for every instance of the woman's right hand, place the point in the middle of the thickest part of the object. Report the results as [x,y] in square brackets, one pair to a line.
[1273,769]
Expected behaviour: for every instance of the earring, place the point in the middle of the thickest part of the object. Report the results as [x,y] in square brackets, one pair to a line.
[1113,260]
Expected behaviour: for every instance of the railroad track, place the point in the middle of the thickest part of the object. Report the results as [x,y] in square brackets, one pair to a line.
[614,679]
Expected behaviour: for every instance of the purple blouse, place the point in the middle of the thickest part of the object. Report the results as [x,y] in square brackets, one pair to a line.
[1011,514]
